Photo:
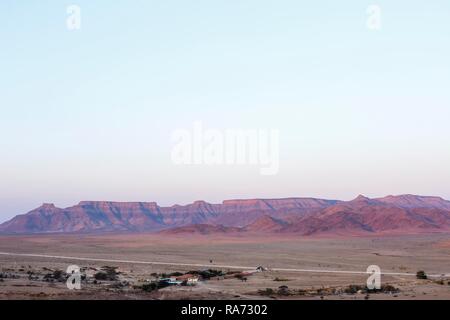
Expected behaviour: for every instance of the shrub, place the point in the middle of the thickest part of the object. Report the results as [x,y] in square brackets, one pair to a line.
[101,276]
[154,285]
[421,275]
[149,287]
[283,290]
[301,292]
[280,279]
[389,289]
[206,274]
[266,292]
[353,288]
[57,274]
[107,273]
[48,277]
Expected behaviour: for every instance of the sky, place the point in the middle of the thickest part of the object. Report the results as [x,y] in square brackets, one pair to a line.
[89,113]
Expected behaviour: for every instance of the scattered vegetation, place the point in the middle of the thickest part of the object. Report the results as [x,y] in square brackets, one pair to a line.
[207,274]
[385,288]
[107,274]
[321,292]
[152,286]
[8,275]
[32,276]
[354,288]
[119,285]
[56,275]
[148,287]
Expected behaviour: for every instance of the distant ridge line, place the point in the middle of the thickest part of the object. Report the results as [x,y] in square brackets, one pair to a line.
[304,216]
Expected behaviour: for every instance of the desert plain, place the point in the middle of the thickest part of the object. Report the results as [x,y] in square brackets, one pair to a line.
[294,267]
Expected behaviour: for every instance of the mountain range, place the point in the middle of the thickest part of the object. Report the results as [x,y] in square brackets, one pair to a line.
[301,216]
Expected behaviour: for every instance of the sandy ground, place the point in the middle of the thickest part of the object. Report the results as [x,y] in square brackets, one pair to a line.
[23,277]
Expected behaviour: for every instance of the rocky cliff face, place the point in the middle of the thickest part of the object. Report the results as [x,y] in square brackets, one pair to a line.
[303,216]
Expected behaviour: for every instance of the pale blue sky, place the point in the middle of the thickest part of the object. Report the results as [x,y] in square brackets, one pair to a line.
[88,114]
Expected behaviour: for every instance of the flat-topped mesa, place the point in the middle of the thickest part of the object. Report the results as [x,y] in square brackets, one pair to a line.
[405,213]
[246,205]
[195,212]
[410,201]
[285,203]
[240,201]
[196,204]
[117,204]
[305,203]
